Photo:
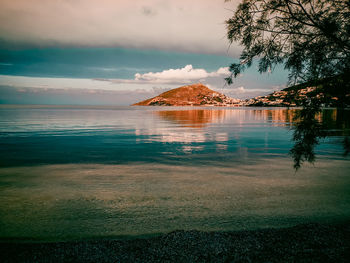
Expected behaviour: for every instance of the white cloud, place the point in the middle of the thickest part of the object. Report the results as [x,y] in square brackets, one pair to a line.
[168,78]
[194,26]
[222,71]
[183,75]
[128,91]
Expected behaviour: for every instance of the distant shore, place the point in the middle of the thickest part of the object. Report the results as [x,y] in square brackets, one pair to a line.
[301,243]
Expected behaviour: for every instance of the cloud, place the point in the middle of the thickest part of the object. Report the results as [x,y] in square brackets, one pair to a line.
[146,85]
[79,96]
[214,80]
[245,93]
[148,11]
[182,75]
[182,25]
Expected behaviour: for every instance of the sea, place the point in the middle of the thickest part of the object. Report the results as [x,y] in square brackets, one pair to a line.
[100,172]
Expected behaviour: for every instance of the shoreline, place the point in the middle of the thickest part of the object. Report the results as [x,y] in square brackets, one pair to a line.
[186,107]
[312,242]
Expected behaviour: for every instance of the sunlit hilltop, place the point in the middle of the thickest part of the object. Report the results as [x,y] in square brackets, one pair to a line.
[191,95]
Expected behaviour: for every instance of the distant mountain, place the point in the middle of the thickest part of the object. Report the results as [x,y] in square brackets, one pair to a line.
[191,95]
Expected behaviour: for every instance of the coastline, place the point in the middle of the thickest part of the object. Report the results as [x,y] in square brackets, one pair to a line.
[313,242]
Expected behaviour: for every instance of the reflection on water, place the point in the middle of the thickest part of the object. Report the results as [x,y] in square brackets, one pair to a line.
[276,117]
[309,129]
[70,173]
[311,126]
[193,118]
[337,119]
[198,118]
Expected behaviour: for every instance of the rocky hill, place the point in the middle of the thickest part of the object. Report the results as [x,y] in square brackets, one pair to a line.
[191,95]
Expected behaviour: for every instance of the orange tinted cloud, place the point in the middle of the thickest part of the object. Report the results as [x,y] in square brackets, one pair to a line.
[195,26]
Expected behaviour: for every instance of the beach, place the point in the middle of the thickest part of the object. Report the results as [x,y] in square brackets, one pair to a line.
[301,243]
[126,184]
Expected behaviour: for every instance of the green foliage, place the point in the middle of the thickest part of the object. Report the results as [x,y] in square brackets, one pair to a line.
[310,37]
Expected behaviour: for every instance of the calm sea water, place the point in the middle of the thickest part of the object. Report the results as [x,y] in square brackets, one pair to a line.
[98,172]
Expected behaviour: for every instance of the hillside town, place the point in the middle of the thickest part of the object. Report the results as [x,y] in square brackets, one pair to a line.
[293,98]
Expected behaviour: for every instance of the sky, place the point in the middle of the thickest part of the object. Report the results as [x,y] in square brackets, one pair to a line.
[118,52]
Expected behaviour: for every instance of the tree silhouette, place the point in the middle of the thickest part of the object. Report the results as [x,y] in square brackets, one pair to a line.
[310,37]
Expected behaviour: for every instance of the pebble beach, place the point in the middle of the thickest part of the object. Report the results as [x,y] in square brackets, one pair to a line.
[301,243]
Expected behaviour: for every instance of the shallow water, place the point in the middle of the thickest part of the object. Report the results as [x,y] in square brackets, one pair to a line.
[86,172]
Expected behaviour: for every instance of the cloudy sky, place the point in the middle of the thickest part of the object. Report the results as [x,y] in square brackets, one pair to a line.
[118,51]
